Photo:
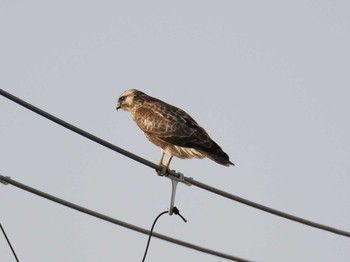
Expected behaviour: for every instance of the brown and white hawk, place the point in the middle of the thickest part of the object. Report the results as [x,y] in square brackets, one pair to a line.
[170,128]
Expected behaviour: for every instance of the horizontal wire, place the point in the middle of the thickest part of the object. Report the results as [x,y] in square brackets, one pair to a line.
[7,180]
[79,130]
[268,209]
[171,173]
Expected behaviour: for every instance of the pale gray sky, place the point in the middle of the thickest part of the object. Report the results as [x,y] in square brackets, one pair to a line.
[269,81]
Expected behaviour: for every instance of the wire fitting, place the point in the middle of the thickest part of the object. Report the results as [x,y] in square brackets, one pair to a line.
[175,178]
[179,177]
[163,171]
[176,211]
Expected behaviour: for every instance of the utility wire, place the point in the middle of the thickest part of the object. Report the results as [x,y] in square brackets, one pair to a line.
[176,212]
[78,130]
[268,209]
[6,180]
[150,234]
[172,173]
[9,243]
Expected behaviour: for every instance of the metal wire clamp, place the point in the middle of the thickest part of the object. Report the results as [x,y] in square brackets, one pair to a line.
[175,178]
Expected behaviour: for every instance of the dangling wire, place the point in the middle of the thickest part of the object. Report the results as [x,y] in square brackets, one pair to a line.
[8,241]
[150,233]
[175,211]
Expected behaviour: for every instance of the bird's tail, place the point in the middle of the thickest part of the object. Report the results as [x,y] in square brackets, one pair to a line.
[222,160]
[218,155]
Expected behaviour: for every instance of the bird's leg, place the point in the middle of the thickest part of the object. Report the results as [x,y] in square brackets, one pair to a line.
[160,172]
[168,163]
[166,166]
[161,158]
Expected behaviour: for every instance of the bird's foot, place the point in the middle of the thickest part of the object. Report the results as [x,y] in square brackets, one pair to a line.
[164,171]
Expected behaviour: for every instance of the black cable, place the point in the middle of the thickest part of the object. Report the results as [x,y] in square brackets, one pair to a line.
[6,180]
[176,212]
[9,243]
[150,234]
[79,131]
[172,173]
[268,209]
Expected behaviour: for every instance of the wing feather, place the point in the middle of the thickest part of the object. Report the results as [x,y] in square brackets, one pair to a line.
[172,125]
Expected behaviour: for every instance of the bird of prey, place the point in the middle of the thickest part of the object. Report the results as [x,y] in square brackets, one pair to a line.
[170,128]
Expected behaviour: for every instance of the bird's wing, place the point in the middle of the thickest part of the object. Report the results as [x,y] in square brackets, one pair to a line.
[172,125]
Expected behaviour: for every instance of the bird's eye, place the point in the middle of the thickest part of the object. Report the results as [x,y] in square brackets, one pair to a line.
[122,98]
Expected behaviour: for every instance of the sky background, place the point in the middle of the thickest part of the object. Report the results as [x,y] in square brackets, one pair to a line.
[268,80]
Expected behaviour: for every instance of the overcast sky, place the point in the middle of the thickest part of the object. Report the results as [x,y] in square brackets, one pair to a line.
[268,80]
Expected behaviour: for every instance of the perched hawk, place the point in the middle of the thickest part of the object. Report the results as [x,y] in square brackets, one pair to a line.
[170,128]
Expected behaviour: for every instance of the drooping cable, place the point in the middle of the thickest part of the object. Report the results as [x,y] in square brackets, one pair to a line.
[150,234]
[174,211]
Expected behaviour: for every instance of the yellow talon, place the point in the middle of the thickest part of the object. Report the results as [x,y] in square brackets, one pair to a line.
[168,163]
[161,173]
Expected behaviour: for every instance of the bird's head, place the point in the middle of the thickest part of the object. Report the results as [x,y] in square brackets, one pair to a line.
[130,99]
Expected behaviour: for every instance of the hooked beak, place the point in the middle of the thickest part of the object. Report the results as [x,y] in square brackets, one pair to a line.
[118,106]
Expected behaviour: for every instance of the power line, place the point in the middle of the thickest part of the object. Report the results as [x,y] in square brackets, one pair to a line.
[9,243]
[171,173]
[79,130]
[268,209]
[7,180]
